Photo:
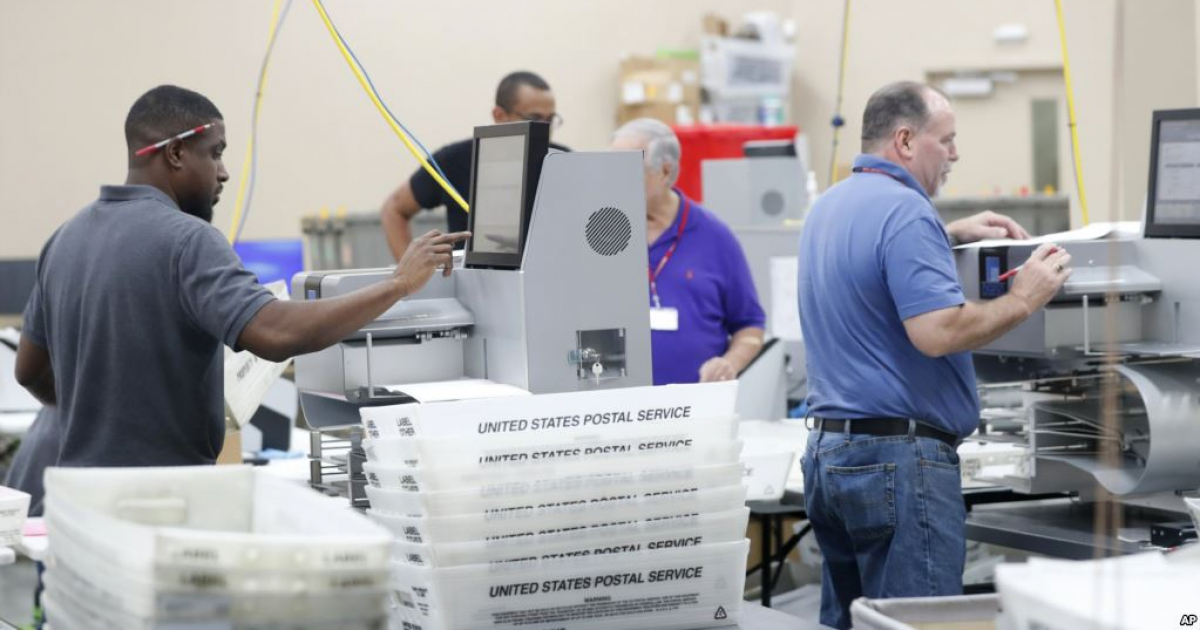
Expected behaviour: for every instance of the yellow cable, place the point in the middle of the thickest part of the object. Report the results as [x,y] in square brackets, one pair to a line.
[244,179]
[362,80]
[837,129]
[1062,34]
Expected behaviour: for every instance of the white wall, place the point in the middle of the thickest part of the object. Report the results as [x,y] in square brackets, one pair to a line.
[892,40]
[69,69]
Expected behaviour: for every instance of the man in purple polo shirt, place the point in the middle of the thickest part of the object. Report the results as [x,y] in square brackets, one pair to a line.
[705,320]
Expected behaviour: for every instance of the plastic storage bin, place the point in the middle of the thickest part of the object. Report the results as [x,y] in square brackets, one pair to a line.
[201,547]
[227,516]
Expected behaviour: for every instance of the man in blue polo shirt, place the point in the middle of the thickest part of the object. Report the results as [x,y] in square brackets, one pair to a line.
[888,335]
[705,320]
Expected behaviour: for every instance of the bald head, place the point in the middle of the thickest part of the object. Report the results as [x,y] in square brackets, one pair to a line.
[912,126]
[899,104]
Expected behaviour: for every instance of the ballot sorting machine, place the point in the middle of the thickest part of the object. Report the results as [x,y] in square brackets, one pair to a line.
[1126,326]
[549,296]
[762,198]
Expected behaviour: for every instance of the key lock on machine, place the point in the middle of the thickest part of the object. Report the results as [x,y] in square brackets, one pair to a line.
[599,354]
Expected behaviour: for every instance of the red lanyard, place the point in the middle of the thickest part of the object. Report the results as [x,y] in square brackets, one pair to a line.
[654,273]
[872,169]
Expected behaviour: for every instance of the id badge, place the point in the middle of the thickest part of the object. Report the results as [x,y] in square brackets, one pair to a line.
[664,318]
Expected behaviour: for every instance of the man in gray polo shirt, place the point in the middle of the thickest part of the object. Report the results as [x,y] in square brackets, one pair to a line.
[137,293]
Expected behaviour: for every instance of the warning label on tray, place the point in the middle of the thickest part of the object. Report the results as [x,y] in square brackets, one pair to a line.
[596,608]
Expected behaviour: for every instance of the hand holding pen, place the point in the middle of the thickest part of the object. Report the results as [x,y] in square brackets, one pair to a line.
[1043,276]
[1012,272]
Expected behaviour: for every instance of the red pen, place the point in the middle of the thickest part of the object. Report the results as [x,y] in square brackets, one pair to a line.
[180,136]
[1012,272]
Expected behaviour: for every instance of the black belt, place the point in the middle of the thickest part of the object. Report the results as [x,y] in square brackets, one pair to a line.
[885,426]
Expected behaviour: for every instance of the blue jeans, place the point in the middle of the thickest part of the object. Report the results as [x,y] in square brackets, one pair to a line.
[888,515]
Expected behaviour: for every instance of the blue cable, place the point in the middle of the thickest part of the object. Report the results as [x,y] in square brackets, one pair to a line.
[254,120]
[375,91]
[237,234]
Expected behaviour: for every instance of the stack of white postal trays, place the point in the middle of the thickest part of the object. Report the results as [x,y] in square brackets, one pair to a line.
[608,509]
[208,547]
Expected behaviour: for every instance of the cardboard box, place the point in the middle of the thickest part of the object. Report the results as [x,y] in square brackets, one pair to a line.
[672,114]
[231,453]
[714,25]
[647,80]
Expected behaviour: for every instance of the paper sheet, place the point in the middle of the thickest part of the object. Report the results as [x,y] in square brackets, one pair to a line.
[785,302]
[248,377]
[1093,232]
[16,423]
[458,389]
[1193,506]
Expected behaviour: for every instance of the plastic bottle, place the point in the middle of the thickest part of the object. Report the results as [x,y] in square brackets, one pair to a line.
[810,186]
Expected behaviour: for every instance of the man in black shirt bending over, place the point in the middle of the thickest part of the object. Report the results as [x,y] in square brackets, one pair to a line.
[520,96]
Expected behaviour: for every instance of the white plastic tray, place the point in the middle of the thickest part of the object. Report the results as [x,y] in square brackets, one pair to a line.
[142,586]
[492,479]
[689,531]
[64,613]
[553,414]
[596,443]
[528,495]
[112,595]
[922,612]
[674,589]
[229,517]
[478,526]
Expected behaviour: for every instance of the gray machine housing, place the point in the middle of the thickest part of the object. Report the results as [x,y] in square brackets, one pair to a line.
[1129,317]
[1157,302]
[763,200]
[573,317]
[756,190]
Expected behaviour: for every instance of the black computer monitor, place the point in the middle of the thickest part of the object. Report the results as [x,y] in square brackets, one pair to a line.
[505,166]
[769,148]
[1173,200]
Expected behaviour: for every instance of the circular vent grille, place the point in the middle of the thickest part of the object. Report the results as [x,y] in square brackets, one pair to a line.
[772,203]
[608,231]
